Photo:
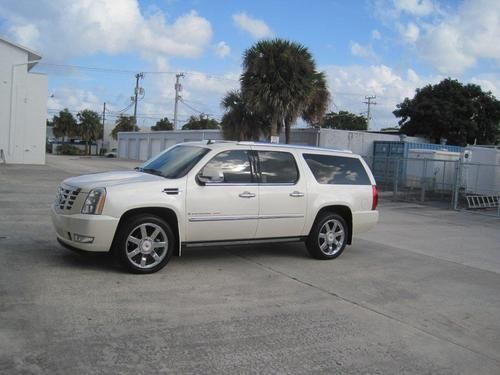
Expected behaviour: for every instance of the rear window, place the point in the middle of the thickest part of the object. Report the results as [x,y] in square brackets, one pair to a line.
[337,170]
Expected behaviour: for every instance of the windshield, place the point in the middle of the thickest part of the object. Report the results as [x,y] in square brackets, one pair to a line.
[175,162]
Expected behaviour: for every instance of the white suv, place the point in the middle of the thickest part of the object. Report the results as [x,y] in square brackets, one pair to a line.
[214,193]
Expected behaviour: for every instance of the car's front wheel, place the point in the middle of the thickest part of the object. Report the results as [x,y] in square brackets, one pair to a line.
[145,244]
[328,237]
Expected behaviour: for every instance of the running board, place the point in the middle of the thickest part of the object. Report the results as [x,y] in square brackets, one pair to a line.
[243,242]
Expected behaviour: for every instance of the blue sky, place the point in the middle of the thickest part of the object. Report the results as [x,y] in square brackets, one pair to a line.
[385,48]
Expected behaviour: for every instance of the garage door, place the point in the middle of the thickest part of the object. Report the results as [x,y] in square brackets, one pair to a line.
[132,149]
[155,147]
[143,149]
[122,149]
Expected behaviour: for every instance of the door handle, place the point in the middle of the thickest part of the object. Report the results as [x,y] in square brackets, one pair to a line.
[247,194]
[296,194]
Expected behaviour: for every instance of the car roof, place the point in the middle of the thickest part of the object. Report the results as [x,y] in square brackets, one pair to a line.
[214,144]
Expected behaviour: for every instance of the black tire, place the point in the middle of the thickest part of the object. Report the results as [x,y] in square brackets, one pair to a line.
[156,247]
[328,237]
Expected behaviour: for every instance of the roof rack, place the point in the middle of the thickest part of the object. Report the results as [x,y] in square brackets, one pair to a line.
[212,141]
[307,147]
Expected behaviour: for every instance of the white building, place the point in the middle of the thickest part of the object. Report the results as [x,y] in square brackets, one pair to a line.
[23,106]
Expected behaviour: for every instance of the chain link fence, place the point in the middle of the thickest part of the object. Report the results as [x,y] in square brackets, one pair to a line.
[452,184]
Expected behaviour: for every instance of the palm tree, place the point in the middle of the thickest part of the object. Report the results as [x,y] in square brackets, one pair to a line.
[318,102]
[277,80]
[124,124]
[89,128]
[64,124]
[238,123]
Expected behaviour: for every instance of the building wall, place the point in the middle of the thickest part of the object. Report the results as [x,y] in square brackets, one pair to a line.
[359,142]
[23,108]
[143,145]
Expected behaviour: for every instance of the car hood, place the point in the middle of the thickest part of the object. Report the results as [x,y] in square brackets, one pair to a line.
[106,179]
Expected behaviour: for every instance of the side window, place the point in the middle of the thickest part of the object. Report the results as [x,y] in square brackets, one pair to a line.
[337,170]
[233,166]
[277,167]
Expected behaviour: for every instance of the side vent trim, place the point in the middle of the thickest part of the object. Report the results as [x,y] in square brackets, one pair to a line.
[171,191]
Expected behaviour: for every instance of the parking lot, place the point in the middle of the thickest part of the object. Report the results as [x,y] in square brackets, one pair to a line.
[420,294]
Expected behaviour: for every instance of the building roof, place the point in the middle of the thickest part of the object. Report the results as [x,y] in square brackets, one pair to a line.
[32,55]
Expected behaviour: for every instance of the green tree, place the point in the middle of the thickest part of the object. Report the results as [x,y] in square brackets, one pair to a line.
[344,120]
[277,79]
[200,122]
[124,124]
[89,128]
[318,101]
[463,114]
[163,124]
[64,125]
[238,123]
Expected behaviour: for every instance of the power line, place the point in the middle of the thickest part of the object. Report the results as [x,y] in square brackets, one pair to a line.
[102,69]
[192,108]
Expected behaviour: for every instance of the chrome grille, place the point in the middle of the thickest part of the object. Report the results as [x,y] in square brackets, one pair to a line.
[66,197]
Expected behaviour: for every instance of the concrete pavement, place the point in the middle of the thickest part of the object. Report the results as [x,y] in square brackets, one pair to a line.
[419,294]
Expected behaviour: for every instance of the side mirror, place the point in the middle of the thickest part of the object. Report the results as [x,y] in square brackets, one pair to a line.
[210,175]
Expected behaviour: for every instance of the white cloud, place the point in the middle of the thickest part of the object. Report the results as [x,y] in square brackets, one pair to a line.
[375,34]
[257,28]
[60,29]
[25,34]
[459,41]
[365,52]
[350,84]
[73,98]
[410,32]
[222,49]
[488,83]
[419,8]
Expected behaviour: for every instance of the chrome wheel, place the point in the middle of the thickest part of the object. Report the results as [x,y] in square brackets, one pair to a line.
[331,237]
[146,245]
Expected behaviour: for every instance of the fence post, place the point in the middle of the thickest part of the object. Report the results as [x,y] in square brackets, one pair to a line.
[456,188]
[423,182]
[396,179]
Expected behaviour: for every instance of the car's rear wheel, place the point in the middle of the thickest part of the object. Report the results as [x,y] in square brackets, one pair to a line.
[328,237]
[145,244]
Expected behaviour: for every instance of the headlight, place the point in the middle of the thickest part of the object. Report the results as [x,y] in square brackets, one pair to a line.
[95,202]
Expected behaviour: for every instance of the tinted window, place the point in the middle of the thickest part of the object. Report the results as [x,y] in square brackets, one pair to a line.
[277,167]
[234,164]
[337,170]
[175,162]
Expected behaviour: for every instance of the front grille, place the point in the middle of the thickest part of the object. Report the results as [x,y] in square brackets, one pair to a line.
[66,197]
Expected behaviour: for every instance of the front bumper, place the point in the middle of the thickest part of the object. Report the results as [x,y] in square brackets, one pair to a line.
[101,228]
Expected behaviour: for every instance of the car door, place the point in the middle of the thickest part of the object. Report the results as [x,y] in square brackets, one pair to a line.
[282,195]
[222,202]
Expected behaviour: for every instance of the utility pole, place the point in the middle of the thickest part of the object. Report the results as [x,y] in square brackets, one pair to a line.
[369,103]
[103,120]
[137,89]
[178,89]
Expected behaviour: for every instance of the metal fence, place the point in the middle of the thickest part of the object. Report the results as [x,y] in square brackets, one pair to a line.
[452,184]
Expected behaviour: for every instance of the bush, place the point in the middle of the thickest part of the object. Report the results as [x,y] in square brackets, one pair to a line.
[68,150]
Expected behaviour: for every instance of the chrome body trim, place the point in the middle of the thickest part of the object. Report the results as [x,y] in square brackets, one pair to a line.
[246,217]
